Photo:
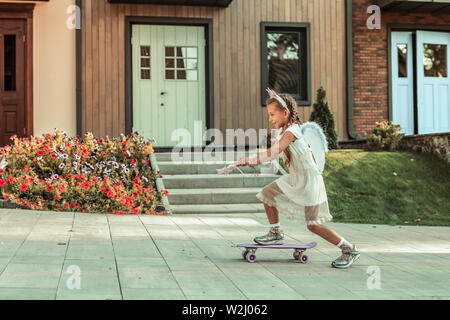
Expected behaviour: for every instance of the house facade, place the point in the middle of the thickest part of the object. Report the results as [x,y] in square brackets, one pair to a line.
[152,66]
[400,71]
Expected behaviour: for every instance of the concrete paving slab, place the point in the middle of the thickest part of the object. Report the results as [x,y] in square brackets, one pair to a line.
[26,294]
[23,275]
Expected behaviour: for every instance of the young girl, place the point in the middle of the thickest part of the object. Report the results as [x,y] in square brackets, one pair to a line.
[303,190]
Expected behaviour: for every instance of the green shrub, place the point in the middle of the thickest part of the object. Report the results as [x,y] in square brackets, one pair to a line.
[385,136]
[322,115]
[59,173]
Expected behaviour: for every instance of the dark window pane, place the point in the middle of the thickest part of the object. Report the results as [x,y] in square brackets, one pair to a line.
[283,61]
[145,74]
[170,51]
[170,63]
[145,63]
[10,63]
[402,50]
[435,60]
[145,51]
[170,74]
[180,64]
[181,74]
[181,52]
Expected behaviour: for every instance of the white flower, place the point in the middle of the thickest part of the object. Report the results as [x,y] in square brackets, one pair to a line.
[55,176]
[62,165]
[39,158]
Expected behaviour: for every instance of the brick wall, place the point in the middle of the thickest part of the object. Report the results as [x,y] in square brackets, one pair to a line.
[370,61]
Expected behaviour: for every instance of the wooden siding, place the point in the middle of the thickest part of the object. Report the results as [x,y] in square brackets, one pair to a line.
[237,74]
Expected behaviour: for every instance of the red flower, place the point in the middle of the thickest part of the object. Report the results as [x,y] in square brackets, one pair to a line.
[86,185]
[120,212]
[48,135]
[109,194]
[26,168]
[62,188]
[166,192]
[6,197]
[57,197]
[1,171]
[67,205]
[53,155]
[135,210]
[46,150]
[2,182]
[40,153]
[49,188]
[135,194]
[94,179]
[76,205]
[23,187]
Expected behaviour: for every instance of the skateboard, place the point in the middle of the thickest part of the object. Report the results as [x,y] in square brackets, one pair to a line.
[250,250]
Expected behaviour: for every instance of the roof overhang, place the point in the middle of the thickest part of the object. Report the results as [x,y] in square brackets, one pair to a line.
[207,3]
[431,6]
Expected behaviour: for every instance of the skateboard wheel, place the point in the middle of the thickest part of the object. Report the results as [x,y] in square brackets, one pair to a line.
[251,257]
[303,258]
[296,255]
[244,254]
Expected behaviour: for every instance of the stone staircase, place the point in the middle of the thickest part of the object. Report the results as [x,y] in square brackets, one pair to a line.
[195,187]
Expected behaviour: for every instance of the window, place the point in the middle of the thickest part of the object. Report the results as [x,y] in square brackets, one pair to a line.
[285,60]
[402,51]
[145,63]
[10,63]
[181,63]
[435,60]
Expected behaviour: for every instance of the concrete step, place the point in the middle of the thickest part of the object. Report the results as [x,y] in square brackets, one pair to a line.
[197,181]
[199,156]
[171,168]
[213,196]
[217,208]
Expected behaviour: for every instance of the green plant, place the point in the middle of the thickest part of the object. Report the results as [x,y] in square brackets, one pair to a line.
[385,136]
[60,173]
[322,115]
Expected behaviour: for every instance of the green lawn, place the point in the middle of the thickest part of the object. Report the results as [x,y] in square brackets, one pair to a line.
[362,188]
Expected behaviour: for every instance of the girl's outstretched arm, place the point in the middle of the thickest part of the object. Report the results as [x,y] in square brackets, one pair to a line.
[270,154]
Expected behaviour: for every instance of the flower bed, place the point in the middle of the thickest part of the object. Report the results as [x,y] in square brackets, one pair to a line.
[61,173]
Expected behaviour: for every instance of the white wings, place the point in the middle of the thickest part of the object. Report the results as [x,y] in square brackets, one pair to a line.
[317,141]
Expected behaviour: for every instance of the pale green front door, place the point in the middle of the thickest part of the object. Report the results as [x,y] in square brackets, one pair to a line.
[169,83]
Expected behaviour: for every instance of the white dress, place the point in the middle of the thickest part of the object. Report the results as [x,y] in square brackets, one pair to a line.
[301,194]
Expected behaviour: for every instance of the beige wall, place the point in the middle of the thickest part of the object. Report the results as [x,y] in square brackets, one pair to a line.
[54,67]
[54,77]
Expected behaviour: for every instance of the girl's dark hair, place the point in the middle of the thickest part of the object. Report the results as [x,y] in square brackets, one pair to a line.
[293,117]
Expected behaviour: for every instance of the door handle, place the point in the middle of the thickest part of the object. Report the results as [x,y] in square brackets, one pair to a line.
[163,93]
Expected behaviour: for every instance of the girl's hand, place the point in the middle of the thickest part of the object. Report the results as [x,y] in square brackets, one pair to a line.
[242,162]
[245,161]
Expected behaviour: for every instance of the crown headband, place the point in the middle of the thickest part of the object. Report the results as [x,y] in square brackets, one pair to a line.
[273,94]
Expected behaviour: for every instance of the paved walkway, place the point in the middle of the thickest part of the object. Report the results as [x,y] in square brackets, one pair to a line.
[49,255]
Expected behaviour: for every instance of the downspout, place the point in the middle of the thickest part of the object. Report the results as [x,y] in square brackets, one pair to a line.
[349,23]
[79,4]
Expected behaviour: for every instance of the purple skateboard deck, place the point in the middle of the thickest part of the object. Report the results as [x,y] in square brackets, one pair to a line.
[278,246]
[250,250]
